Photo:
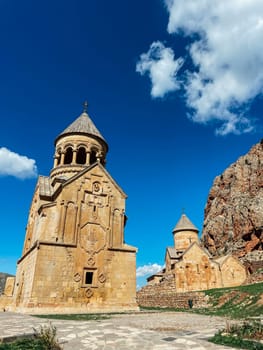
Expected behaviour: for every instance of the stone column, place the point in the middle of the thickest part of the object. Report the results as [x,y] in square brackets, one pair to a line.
[55,161]
[62,158]
[88,158]
[74,157]
[99,156]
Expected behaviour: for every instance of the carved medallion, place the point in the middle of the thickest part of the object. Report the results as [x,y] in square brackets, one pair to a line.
[102,278]
[91,262]
[77,277]
[89,292]
[96,187]
[92,238]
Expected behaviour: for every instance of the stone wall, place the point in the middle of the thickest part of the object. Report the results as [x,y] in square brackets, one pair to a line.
[3,277]
[196,271]
[255,269]
[164,295]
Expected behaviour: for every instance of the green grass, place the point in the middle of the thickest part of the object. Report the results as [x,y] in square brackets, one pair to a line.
[236,342]
[236,302]
[162,309]
[44,339]
[24,344]
[244,336]
[76,317]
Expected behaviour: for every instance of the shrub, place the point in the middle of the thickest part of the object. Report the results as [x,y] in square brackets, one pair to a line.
[44,339]
[236,342]
[47,335]
[241,335]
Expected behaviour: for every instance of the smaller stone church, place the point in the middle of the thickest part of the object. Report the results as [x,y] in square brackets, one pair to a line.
[190,267]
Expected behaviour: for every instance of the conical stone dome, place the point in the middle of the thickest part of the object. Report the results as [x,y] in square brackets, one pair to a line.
[185,233]
[184,224]
[78,146]
[83,125]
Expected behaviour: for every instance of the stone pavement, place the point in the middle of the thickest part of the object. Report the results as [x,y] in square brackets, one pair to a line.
[167,330]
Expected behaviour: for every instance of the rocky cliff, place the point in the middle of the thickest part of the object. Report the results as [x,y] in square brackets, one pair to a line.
[234,211]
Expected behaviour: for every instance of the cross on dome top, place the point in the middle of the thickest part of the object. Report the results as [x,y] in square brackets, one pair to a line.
[85,106]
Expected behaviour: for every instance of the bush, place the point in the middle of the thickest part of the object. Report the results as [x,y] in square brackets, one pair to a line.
[48,337]
[44,339]
[249,330]
[236,342]
[240,335]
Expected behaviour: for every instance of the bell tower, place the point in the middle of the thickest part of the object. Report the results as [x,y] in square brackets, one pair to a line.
[185,233]
[75,258]
[77,147]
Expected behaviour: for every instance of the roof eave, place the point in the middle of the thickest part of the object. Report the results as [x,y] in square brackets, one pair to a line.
[100,139]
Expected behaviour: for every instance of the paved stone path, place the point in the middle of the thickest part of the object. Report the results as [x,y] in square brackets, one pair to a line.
[151,331]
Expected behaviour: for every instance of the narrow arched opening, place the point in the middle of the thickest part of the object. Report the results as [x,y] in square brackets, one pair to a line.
[93,157]
[81,156]
[68,156]
[58,158]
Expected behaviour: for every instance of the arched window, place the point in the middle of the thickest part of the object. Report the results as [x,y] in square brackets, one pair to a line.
[81,156]
[93,157]
[68,156]
[58,157]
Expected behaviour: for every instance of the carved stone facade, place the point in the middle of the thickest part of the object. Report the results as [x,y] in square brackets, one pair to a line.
[190,267]
[74,257]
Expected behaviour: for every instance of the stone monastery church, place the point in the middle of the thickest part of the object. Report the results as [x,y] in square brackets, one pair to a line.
[190,267]
[74,257]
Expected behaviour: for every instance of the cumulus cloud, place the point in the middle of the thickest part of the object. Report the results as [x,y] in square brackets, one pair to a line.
[149,269]
[161,67]
[13,164]
[225,48]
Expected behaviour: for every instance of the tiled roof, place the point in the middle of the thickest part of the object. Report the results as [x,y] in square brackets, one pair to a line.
[82,125]
[184,224]
[173,253]
[159,273]
[221,260]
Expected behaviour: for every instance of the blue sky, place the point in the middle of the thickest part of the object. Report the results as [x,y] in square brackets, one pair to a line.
[175,89]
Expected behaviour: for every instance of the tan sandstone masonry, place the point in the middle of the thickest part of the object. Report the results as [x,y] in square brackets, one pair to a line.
[190,267]
[164,295]
[75,258]
[159,296]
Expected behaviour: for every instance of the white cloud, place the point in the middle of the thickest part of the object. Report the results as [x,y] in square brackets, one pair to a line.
[162,68]
[227,55]
[8,265]
[16,165]
[149,269]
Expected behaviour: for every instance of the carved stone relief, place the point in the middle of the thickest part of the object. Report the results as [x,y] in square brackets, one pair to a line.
[102,278]
[77,277]
[92,238]
[97,187]
[91,261]
[89,292]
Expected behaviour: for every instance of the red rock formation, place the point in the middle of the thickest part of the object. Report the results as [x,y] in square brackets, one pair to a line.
[234,211]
